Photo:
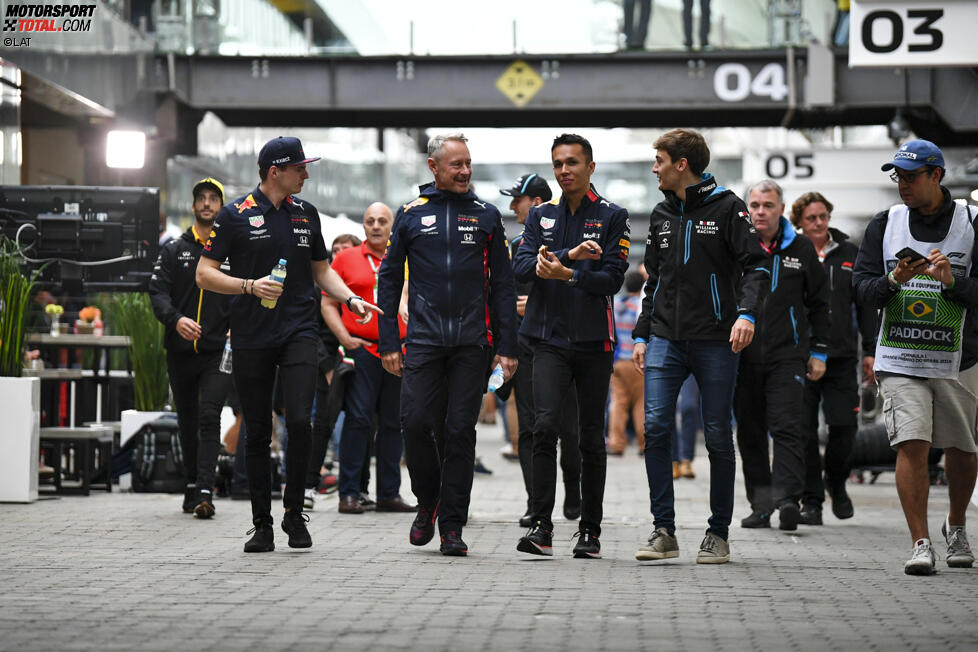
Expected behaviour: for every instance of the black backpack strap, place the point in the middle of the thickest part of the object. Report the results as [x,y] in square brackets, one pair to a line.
[149,454]
[177,449]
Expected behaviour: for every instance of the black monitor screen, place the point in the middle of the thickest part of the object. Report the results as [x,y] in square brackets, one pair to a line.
[103,237]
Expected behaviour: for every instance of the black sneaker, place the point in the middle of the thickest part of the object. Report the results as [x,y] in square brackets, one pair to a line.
[789,516]
[367,503]
[811,515]
[527,519]
[205,504]
[538,541]
[841,503]
[423,527]
[189,499]
[757,519]
[452,545]
[263,539]
[572,501]
[294,524]
[479,467]
[588,546]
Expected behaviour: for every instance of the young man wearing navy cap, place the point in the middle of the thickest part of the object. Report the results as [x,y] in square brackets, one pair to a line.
[528,191]
[917,264]
[253,233]
[195,326]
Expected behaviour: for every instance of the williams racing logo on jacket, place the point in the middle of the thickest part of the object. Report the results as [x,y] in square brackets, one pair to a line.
[706,227]
[790,262]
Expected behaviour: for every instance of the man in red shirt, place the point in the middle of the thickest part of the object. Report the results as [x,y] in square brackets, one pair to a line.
[370,390]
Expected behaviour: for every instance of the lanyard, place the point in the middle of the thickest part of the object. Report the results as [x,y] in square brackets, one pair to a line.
[376,271]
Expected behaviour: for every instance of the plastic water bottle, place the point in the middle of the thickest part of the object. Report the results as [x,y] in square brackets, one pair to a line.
[277,275]
[226,358]
[497,379]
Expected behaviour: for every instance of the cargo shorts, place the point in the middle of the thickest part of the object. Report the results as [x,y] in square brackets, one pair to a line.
[941,411]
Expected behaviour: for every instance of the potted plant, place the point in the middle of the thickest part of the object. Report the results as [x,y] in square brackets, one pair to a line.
[132,315]
[21,397]
[88,317]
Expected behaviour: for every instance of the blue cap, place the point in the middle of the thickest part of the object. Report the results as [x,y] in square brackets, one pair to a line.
[915,154]
[282,151]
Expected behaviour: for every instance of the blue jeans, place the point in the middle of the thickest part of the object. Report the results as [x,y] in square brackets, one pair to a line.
[690,421]
[667,365]
[371,390]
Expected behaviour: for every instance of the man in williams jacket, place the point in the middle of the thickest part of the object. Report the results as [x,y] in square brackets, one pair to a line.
[790,344]
[705,285]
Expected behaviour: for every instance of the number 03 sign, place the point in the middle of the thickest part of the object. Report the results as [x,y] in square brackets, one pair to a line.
[913,33]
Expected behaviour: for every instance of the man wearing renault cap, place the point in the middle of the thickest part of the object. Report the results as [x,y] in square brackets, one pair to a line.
[254,233]
[528,191]
[917,264]
[195,325]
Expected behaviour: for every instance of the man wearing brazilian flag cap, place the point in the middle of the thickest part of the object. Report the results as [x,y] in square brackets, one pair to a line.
[917,264]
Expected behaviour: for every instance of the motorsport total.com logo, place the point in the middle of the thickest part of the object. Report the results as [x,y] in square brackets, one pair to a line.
[36,18]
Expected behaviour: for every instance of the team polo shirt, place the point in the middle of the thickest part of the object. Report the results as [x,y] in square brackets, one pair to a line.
[252,235]
[359,267]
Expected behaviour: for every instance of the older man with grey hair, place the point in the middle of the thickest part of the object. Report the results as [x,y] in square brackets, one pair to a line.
[462,302]
[790,344]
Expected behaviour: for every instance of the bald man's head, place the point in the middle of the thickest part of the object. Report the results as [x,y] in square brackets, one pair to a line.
[377,222]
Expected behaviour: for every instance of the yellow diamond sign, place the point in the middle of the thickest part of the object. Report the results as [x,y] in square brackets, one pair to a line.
[520,82]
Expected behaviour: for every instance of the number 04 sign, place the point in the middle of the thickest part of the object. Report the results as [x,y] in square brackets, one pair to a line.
[913,33]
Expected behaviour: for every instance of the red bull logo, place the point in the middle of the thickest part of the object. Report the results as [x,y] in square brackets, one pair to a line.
[249,202]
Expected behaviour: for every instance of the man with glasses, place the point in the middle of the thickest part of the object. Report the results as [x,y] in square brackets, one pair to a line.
[837,391]
[916,263]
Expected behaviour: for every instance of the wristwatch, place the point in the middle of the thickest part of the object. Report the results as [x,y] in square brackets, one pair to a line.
[351,298]
[572,281]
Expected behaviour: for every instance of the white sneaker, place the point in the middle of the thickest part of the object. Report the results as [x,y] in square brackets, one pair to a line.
[959,553]
[309,500]
[922,560]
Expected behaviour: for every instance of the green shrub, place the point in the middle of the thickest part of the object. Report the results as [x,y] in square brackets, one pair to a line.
[132,315]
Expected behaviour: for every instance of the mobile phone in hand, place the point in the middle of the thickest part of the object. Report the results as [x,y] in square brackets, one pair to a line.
[912,254]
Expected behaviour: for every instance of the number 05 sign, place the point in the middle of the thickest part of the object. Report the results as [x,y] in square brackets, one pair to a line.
[913,33]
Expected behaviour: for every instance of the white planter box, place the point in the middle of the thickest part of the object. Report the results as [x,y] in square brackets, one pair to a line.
[133,420]
[19,439]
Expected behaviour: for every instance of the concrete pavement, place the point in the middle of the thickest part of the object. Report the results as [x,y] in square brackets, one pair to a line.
[129,571]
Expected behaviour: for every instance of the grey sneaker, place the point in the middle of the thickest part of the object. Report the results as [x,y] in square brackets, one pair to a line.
[713,550]
[922,560]
[662,545]
[309,499]
[959,553]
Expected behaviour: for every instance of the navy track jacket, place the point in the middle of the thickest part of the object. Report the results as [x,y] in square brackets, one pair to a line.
[460,274]
[586,307]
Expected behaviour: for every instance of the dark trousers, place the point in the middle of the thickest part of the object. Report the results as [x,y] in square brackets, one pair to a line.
[767,400]
[704,22]
[555,371]
[636,29]
[838,393]
[371,390]
[323,419]
[714,366]
[570,452]
[254,378]
[199,389]
[454,377]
